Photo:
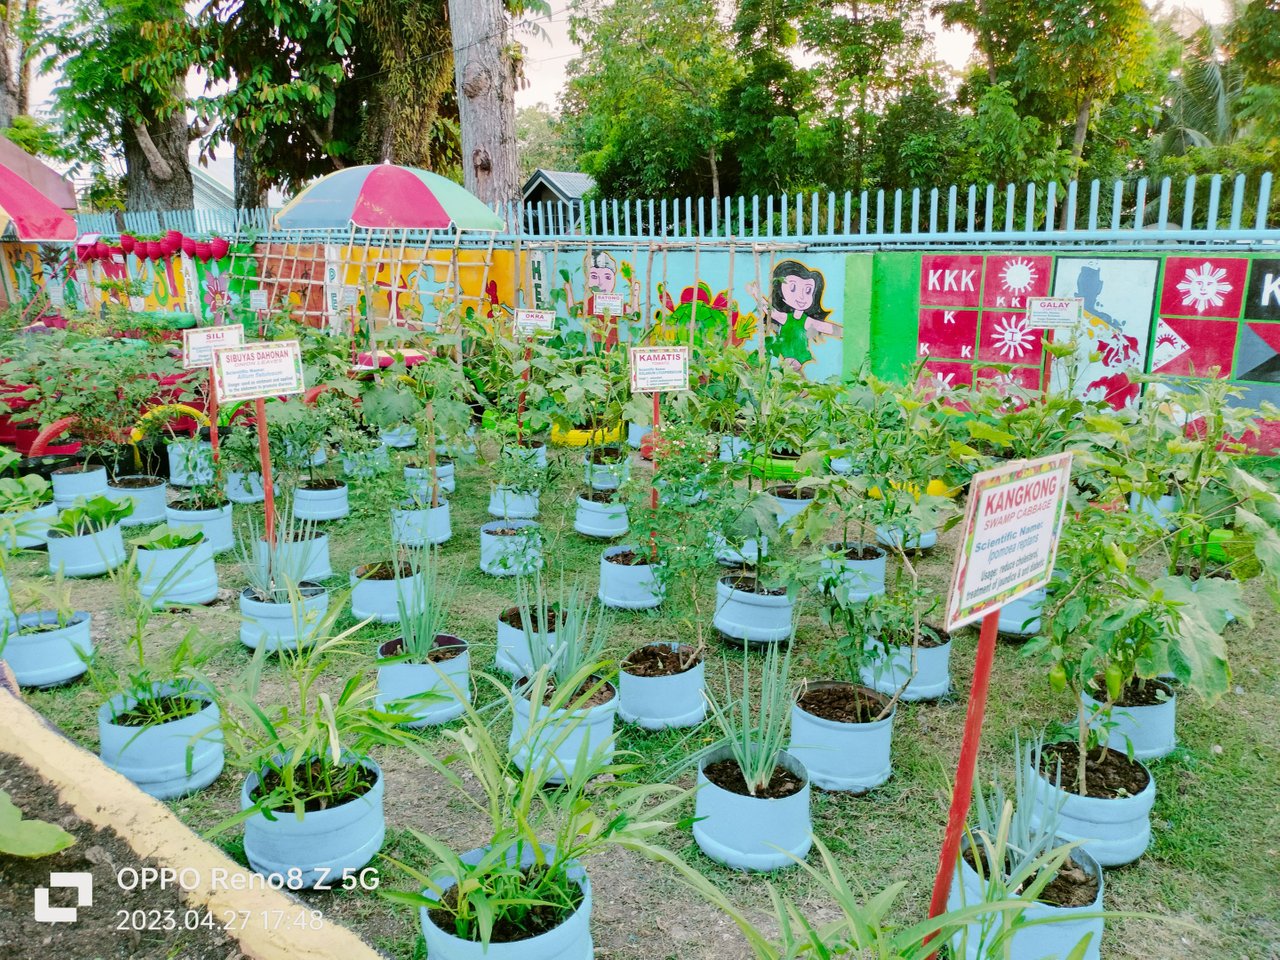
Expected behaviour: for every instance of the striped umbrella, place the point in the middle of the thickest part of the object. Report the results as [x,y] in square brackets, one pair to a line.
[386,197]
[27,214]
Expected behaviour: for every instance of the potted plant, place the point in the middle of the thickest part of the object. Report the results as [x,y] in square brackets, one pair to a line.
[898,651]
[517,635]
[843,734]
[1014,851]
[85,540]
[239,451]
[565,707]
[628,578]
[175,565]
[159,728]
[600,514]
[207,509]
[752,805]
[510,548]
[661,684]
[377,588]
[315,496]
[282,607]
[312,798]
[518,480]
[525,892]
[190,462]
[417,523]
[26,506]
[48,642]
[425,672]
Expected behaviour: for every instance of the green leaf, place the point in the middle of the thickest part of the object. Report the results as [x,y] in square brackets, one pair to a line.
[29,839]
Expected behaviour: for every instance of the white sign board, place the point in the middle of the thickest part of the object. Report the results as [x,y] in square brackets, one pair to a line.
[137,304]
[198,343]
[57,293]
[82,277]
[610,303]
[659,369]
[257,299]
[1010,536]
[257,370]
[531,321]
[1055,313]
[350,296]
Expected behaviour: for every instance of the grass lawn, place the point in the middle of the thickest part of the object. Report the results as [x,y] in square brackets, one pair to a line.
[1212,865]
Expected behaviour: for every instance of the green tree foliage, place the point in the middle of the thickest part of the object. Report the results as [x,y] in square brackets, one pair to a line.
[540,142]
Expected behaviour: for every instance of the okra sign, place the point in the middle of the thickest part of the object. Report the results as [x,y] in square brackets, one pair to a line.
[659,369]
[257,370]
[198,343]
[1010,537]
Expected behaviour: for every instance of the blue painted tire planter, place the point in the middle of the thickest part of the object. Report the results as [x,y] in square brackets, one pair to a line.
[418,526]
[418,480]
[569,941]
[892,537]
[539,741]
[378,598]
[315,561]
[31,527]
[1058,938]
[604,521]
[886,673]
[511,505]
[244,487]
[88,555]
[321,503]
[1115,830]
[506,555]
[216,525]
[789,507]
[1160,509]
[7,618]
[852,757]
[50,657]
[752,833]
[148,501]
[753,617]
[733,449]
[628,586]
[1151,729]
[534,450]
[337,839]
[512,654]
[447,678]
[273,625]
[665,702]
[71,483]
[862,579]
[190,463]
[744,554]
[366,464]
[399,438]
[178,574]
[605,476]
[636,432]
[155,758]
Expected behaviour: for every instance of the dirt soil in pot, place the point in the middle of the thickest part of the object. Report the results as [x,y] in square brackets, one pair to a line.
[356,781]
[321,484]
[788,492]
[659,660]
[135,483]
[599,496]
[860,551]
[537,920]
[1072,886]
[629,558]
[512,618]
[103,853]
[1139,693]
[385,570]
[842,704]
[749,584]
[171,708]
[727,775]
[602,693]
[1109,773]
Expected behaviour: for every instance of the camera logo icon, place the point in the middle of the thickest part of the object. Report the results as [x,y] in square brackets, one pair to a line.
[82,883]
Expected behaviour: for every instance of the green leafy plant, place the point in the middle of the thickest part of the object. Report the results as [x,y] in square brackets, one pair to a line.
[275,574]
[90,516]
[29,839]
[423,602]
[165,537]
[754,725]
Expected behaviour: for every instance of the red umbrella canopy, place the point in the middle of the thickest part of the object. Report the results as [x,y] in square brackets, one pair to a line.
[386,197]
[28,214]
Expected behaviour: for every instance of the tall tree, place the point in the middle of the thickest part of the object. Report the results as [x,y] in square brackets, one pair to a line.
[120,95]
[485,84]
[644,99]
[540,143]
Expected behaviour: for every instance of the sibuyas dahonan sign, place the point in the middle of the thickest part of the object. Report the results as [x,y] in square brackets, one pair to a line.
[1010,539]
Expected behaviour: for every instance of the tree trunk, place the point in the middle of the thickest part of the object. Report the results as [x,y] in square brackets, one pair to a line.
[1082,130]
[157,171]
[715,175]
[250,191]
[485,80]
[9,95]
[26,50]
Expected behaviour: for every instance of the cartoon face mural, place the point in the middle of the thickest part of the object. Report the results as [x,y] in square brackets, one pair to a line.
[797,318]
[602,273]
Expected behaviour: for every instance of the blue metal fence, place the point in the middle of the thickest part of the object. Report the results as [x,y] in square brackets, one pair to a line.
[1200,210]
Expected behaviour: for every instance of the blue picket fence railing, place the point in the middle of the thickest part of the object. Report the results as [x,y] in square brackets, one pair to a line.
[1210,210]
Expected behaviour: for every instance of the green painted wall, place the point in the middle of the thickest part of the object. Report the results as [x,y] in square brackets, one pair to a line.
[859,283]
[895,279]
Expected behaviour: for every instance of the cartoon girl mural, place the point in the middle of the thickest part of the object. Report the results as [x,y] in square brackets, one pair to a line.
[797,319]
[602,277]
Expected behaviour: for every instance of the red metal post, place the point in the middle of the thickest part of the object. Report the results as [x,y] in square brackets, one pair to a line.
[212,406]
[653,483]
[264,457]
[962,793]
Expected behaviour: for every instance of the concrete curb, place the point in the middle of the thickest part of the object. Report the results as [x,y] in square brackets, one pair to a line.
[104,798]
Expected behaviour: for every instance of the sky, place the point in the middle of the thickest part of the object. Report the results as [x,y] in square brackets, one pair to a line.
[549,54]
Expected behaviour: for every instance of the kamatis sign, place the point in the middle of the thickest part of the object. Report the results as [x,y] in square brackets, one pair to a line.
[1010,537]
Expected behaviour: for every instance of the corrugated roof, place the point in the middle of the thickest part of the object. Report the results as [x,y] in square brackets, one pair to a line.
[210,192]
[567,184]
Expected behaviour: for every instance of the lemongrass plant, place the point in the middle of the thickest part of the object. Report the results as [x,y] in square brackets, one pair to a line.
[755,724]
[423,602]
[275,575]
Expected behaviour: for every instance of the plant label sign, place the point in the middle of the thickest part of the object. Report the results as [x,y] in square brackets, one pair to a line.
[198,343]
[610,303]
[257,299]
[1055,313]
[659,369]
[534,321]
[256,370]
[1010,539]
